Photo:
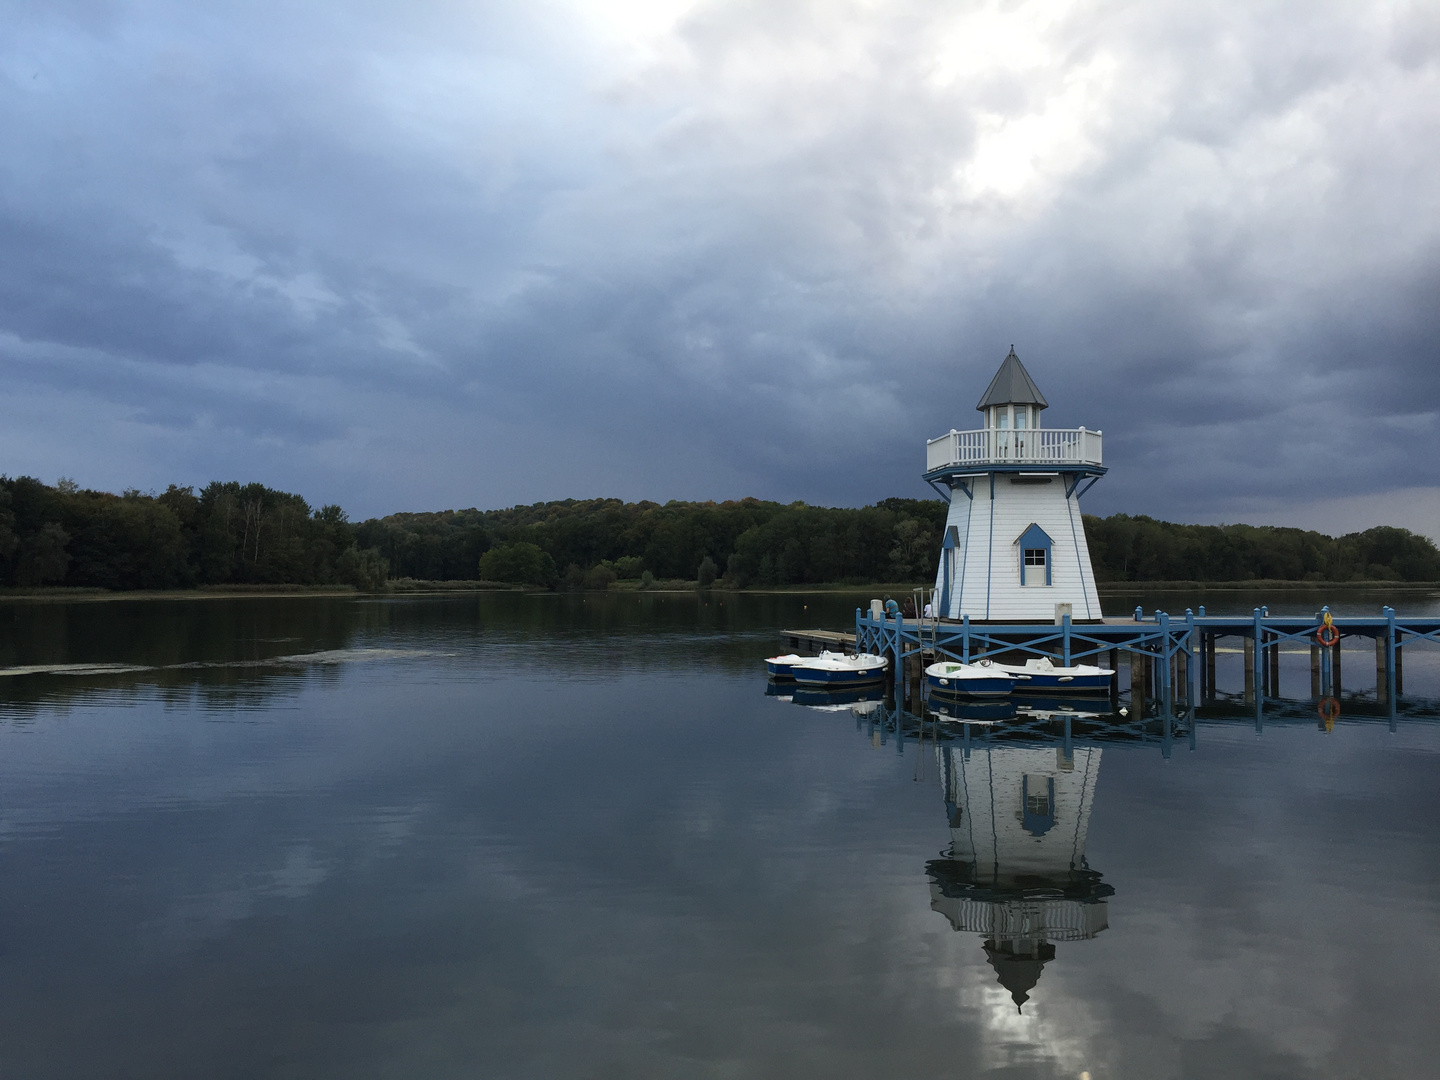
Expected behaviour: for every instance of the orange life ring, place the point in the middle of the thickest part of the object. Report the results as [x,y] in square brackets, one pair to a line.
[1327,635]
[1329,710]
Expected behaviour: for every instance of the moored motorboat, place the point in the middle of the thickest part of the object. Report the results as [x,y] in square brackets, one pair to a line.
[1041,673]
[839,669]
[981,679]
[778,667]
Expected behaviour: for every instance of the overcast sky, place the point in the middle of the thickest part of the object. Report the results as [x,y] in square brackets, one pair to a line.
[420,255]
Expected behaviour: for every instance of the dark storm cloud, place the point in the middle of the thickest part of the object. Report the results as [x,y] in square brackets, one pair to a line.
[443,254]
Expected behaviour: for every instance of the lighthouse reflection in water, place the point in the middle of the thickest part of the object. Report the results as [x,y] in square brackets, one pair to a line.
[1015,872]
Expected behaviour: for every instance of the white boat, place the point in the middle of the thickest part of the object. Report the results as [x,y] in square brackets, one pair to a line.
[1041,673]
[839,669]
[980,679]
[778,667]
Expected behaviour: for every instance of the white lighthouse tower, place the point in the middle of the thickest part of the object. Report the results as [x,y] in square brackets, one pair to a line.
[1014,546]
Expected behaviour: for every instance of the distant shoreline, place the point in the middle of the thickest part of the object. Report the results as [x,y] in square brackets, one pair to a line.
[451,588]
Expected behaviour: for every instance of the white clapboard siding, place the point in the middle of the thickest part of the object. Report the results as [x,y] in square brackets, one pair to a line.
[986,566]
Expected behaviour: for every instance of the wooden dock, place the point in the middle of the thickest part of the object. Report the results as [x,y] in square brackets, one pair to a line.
[814,641]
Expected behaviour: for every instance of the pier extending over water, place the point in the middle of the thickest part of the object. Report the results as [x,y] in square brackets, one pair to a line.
[1170,658]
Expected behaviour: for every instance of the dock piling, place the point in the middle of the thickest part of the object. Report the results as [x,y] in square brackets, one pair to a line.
[1210,663]
[1382,668]
[1274,666]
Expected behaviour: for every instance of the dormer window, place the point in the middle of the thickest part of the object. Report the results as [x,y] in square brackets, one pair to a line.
[1035,556]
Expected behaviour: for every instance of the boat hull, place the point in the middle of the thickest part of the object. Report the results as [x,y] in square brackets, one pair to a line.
[1050,679]
[1067,683]
[779,667]
[991,686]
[836,678]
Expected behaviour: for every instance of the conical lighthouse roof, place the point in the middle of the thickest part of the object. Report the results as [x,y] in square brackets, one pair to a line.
[1012,385]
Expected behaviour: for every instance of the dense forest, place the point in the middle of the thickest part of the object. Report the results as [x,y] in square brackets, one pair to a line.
[233,534]
[748,542]
[228,534]
[1125,548]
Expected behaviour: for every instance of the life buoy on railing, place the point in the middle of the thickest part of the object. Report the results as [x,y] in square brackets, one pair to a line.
[1329,709]
[1329,633]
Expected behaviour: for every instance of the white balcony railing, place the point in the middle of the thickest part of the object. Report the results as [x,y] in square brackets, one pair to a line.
[1032,446]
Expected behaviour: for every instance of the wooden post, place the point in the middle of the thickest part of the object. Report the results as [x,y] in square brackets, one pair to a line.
[1137,681]
[1381,691]
[1399,667]
[1115,678]
[1335,670]
[1275,669]
[1315,671]
[1249,668]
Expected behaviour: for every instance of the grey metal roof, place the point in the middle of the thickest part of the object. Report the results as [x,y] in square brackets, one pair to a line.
[1012,385]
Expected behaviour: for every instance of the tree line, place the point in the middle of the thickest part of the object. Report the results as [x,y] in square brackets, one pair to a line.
[232,534]
[1126,548]
[227,534]
[589,543]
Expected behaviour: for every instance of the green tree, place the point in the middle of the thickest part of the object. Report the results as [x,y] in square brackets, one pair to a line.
[520,563]
[600,577]
[705,575]
[42,557]
[364,568]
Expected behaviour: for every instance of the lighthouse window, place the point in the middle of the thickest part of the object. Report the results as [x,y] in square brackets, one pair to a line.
[1034,556]
[1020,417]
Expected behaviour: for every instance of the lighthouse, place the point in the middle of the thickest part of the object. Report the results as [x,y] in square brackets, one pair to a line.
[1015,872]
[1014,544]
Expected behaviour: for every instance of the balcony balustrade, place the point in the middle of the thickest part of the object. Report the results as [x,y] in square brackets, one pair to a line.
[1058,447]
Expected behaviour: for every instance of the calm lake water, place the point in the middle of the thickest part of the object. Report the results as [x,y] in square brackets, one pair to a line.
[572,836]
